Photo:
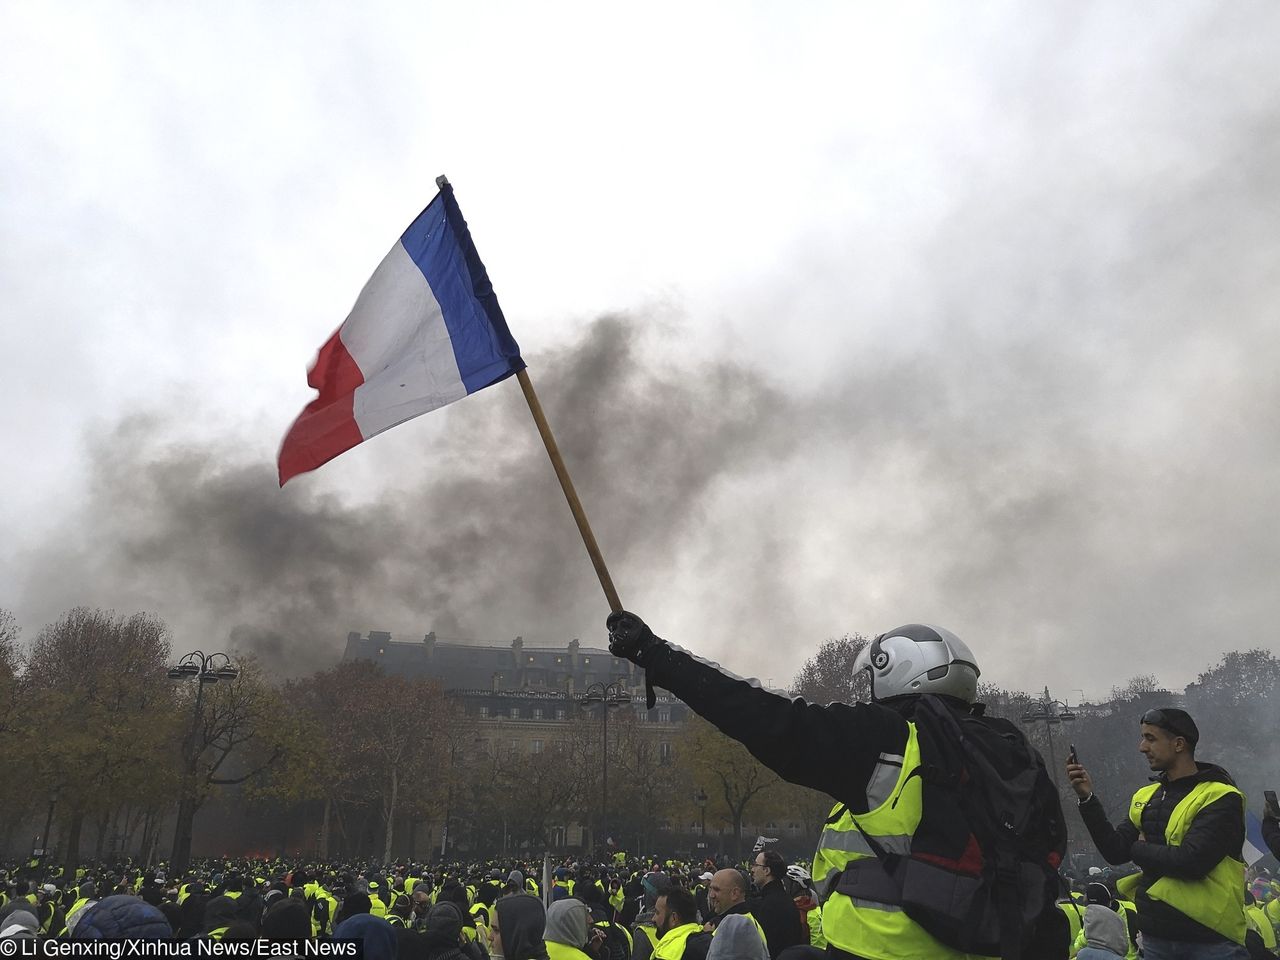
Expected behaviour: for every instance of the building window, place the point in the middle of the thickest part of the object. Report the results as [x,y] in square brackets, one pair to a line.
[530,658]
[537,713]
[381,651]
[559,713]
[484,713]
[512,746]
[664,752]
[664,715]
[586,660]
[515,713]
[559,659]
[537,746]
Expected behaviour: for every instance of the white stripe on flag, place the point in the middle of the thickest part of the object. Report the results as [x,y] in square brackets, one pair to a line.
[397,336]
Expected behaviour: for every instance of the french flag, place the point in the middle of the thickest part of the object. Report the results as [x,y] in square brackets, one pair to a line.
[426,331]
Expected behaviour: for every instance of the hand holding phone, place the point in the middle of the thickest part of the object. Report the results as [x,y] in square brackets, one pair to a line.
[1072,757]
[1273,808]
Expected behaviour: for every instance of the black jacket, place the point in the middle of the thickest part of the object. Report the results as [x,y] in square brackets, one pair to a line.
[1216,832]
[777,915]
[795,739]
[834,747]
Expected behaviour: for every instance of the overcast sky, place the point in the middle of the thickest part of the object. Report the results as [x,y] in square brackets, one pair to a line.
[847,315]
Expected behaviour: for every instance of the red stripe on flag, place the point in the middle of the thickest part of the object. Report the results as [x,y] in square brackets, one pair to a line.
[327,426]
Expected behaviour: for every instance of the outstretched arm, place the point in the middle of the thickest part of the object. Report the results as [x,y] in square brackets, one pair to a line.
[833,748]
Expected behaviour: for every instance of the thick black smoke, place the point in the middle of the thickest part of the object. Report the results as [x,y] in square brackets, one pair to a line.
[481,547]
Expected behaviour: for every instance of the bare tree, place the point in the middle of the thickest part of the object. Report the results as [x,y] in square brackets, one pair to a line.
[828,676]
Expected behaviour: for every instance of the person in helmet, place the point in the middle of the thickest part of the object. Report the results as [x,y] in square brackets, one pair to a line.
[867,756]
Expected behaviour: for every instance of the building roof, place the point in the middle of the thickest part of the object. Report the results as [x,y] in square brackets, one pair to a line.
[459,666]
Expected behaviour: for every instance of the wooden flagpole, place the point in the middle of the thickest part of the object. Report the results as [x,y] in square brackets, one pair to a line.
[566,484]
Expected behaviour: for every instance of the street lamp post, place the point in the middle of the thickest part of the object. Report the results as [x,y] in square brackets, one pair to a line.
[700,798]
[610,696]
[1051,713]
[48,825]
[205,669]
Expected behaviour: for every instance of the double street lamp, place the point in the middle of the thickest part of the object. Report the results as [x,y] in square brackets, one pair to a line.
[207,669]
[610,696]
[1051,713]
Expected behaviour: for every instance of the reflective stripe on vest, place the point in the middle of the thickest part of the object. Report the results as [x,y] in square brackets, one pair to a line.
[867,927]
[1215,900]
[1262,924]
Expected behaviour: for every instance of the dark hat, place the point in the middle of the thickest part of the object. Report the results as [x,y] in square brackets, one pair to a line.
[1175,721]
[443,925]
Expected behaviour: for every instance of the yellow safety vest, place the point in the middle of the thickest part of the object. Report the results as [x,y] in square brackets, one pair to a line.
[562,951]
[672,944]
[868,928]
[376,906]
[1215,900]
[1075,919]
[1259,921]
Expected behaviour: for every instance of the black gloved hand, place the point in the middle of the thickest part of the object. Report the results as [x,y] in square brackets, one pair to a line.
[631,638]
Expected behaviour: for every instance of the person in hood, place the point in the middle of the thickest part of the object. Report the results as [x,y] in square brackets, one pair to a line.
[517,927]
[18,921]
[1105,937]
[737,939]
[219,914]
[378,937]
[122,917]
[1185,832]
[568,929]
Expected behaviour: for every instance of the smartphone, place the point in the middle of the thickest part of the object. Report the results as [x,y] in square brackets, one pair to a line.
[1071,757]
[1273,807]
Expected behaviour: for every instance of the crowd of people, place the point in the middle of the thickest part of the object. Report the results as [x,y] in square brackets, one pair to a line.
[621,909]
[946,842]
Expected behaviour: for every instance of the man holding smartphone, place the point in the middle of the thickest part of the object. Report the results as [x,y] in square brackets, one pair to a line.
[1186,832]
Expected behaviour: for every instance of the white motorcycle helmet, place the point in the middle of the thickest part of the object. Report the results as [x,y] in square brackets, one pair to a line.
[919,658]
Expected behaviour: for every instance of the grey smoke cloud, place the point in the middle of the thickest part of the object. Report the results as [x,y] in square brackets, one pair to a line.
[1041,408]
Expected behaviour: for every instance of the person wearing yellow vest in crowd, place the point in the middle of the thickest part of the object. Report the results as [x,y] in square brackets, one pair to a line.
[323,904]
[1073,910]
[869,758]
[1261,938]
[377,906]
[561,878]
[615,897]
[1186,833]
[680,935]
[737,939]
[568,929]
[88,897]
[727,897]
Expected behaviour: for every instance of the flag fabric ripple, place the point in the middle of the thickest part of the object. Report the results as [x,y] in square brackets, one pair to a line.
[425,331]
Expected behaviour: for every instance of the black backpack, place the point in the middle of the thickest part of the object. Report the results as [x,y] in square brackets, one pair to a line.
[982,874]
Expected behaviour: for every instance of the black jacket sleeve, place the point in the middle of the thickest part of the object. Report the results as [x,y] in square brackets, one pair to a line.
[1114,843]
[1271,834]
[1216,832]
[833,748]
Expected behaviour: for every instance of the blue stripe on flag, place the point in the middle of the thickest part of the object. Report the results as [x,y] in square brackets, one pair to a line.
[1253,830]
[439,242]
